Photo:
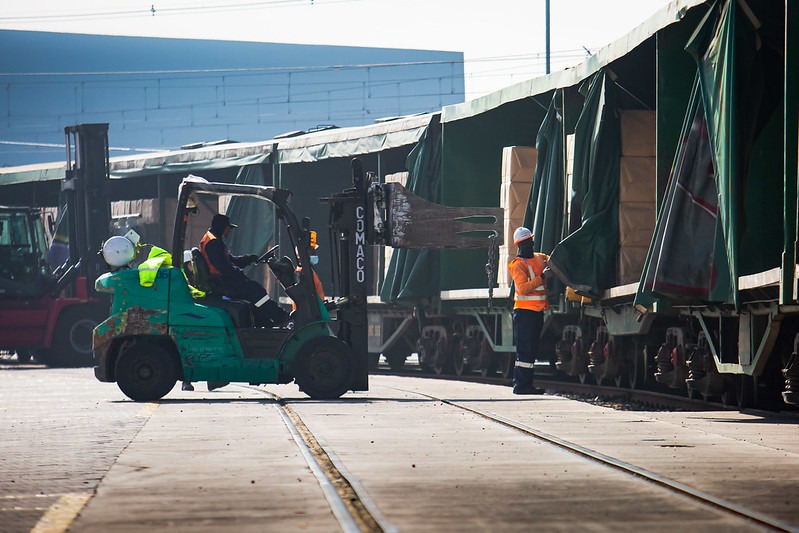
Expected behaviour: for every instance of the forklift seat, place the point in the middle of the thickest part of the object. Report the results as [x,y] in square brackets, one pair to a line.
[202,276]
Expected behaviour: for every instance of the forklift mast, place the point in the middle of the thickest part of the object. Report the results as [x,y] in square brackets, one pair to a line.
[350,219]
[86,190]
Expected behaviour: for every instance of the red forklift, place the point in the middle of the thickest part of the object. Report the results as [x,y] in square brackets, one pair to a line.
[48,311]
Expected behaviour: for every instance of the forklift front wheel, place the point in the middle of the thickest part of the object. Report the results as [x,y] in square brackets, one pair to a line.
[323,368]
[145,372]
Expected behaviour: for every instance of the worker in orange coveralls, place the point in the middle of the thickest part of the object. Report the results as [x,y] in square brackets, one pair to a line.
[528,271]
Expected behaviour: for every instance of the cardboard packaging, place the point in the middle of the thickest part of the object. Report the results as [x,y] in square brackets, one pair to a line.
[513,199]
[637,133]
[631,263]
[518,164]
[636,223]
[503,276]
[637,179]
[518,171]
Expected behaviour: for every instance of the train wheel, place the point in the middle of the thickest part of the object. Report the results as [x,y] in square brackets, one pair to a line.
[425,356]
[24,356]
[488,360]
[457,348]
[322,368]
[459,366]
[145,372]
[507,362]
[637,366]
[442,364]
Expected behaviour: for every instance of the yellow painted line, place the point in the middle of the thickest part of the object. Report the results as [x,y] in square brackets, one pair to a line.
[148,410]
[60,515]
[30,496]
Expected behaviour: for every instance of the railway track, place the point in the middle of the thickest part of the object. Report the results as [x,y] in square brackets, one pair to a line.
[674,487]
[618,397]
[348,501]
[355,510]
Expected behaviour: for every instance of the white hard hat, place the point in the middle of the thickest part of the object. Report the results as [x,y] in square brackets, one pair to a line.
[521,234]
[186,256]
[118,251]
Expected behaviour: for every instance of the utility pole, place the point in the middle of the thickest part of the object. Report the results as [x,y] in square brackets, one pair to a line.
[546,18]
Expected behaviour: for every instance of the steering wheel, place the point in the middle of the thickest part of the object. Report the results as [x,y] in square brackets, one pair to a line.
[270,254]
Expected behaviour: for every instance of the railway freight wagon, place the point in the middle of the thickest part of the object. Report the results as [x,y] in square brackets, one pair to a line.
[660,175]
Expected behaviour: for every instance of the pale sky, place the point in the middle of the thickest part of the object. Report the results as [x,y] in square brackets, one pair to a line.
[503,41]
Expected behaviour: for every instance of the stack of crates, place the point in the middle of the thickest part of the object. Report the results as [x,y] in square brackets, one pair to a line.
[637,192]
[518,170]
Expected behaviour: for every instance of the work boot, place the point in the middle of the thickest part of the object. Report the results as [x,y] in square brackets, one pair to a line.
[527,390]
[187,386]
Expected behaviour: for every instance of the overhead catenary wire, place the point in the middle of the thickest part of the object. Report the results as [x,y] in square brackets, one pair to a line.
[153,10]
[563,55]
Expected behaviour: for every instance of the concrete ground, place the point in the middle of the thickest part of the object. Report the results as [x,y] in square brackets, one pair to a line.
[77,455]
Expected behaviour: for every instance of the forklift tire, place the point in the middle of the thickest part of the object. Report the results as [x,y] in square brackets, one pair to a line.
[72,338]
[146,372]
[323,368]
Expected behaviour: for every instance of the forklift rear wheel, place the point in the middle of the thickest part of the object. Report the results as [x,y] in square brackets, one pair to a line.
[145,372]
[322,369]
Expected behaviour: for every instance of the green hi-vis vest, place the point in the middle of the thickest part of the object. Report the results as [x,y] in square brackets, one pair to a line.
[158,258]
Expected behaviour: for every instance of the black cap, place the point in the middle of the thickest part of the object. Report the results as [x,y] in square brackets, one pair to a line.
[221,222]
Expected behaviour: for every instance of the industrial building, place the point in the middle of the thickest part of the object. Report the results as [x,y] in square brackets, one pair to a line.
[164,94]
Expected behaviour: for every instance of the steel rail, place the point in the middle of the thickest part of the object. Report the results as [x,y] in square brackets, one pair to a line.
[348,500]
[551,384]
[635,471]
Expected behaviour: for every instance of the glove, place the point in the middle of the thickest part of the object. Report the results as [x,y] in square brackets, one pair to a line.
[252,258]
[547,273]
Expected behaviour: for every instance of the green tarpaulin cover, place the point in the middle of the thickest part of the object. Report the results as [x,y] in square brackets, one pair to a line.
[682,263]
[718,221]
[544,213]
[586,259]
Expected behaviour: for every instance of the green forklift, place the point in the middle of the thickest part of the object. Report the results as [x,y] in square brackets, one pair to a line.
[159,334]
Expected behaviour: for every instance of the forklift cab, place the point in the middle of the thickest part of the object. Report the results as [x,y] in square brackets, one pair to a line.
[24,271]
